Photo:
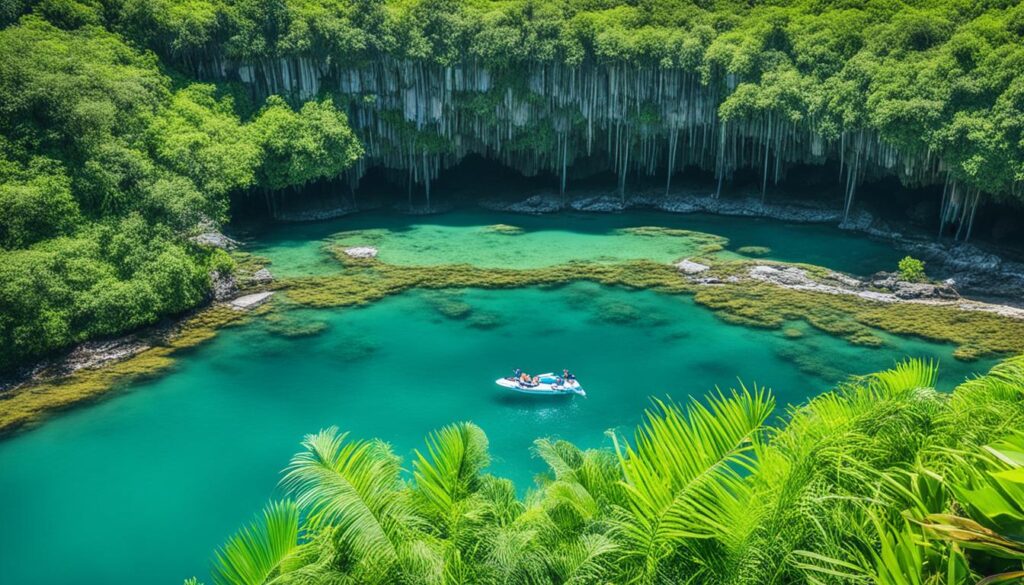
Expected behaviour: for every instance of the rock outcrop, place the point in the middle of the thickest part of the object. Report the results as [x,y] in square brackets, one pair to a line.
[223,285]
[891,282]
[687,266]
[215,239]
[261,277]
[361,252]
[252,301]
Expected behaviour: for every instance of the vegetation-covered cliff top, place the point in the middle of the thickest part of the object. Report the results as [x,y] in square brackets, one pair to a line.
[112,152]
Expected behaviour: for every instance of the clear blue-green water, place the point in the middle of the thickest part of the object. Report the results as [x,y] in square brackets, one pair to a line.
[464,236]
[142,487]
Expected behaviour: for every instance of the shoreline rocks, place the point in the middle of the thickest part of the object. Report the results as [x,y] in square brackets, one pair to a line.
[215,239]
[251,301]
[913,290]
[883,287]
[975,270]
[316,214]
[97,354]
[86,356]
[223,285]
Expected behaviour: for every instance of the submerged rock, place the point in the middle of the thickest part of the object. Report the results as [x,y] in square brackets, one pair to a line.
[262,277]
[252,301]
[504,229]
[362,252]
[687,266]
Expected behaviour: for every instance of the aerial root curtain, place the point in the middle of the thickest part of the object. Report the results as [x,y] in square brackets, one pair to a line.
[420,118]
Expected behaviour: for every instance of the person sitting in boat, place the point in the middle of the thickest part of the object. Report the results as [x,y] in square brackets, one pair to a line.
[517,373]
[524,377]
[569,376]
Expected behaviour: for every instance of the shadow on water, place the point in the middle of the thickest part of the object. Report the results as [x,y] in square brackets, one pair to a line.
[533,403]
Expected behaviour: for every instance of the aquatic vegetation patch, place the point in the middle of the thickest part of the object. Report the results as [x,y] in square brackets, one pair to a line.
[285,324]
[449,304]
[618,313]
[754,250]
[246,265]
[486,320]
[374,280]
[792,333]
[811,359]
[30,405]
[735,300]
[703,242]
[624,313]
[504,229]
[367,237]
[976,333]
[354,349]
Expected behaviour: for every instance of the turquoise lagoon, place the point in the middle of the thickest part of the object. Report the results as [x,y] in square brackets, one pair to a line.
[143,486]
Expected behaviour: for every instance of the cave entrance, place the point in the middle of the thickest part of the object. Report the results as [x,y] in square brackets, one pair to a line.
[477,177]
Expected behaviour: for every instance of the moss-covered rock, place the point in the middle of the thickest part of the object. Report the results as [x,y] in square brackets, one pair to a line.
[504,229]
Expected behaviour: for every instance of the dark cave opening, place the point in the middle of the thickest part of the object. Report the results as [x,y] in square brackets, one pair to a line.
[476,177]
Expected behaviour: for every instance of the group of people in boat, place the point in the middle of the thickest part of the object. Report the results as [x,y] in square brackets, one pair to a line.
[532,381]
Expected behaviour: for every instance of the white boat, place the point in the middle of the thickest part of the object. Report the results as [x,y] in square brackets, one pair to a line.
[547,384]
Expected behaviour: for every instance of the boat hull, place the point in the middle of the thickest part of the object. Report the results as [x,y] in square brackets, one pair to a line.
[568,388]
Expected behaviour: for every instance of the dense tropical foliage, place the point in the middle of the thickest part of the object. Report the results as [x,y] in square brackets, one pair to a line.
[107,164]
[941,76]
[883,480]
[125,125]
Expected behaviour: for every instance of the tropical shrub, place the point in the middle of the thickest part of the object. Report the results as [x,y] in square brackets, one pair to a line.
[911,269]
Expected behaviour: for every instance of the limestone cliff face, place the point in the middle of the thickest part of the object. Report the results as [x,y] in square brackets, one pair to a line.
[418,118]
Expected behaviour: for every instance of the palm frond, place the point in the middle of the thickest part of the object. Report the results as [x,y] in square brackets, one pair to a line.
[256,552]
[585,482]
[905,376]
[352,486]
[684,469]
[584,560]
[457,454]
